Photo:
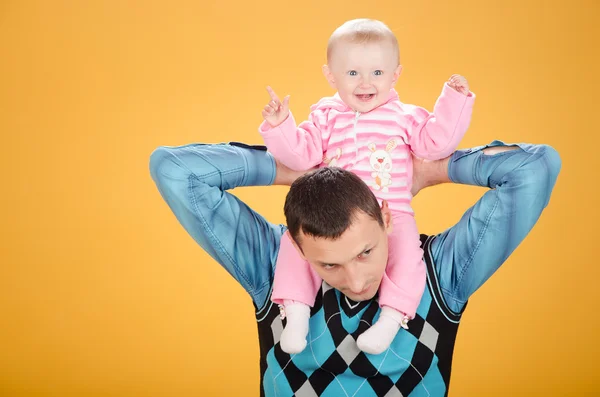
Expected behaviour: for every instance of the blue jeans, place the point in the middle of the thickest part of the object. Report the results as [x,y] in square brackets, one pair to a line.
[193,179]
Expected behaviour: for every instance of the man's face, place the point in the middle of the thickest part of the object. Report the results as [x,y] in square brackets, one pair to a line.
[354,263]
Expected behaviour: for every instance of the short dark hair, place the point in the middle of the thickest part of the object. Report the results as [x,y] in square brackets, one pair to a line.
[325,202]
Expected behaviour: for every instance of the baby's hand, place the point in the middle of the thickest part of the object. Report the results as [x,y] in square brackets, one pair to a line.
[276,112]
[459,83]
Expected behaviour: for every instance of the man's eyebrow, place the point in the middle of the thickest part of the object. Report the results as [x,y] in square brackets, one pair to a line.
[367,246]
[323,264]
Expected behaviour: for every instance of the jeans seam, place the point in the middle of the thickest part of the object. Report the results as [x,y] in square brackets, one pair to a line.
[212,235]
[454,298]
[259,291]
[475,169]
[245,178]
[477,245]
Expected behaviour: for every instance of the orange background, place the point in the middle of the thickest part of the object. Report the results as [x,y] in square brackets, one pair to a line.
[102,293]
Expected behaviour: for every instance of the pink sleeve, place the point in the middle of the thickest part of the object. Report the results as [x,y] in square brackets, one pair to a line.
[434,136]
[297,147]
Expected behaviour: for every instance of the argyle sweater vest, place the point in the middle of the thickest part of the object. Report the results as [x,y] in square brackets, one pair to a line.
[418,362]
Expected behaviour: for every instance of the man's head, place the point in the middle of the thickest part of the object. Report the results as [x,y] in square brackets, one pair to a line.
[363,63]
[337,226]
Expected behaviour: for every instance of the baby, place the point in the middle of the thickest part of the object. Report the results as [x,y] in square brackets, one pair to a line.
[364,128]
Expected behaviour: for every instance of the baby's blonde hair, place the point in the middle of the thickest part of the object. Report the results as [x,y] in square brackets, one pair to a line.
[362,31]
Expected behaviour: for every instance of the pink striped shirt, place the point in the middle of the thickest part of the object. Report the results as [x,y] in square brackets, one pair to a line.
[376,145]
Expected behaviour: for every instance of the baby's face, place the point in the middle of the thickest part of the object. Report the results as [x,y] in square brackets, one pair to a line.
[364,74]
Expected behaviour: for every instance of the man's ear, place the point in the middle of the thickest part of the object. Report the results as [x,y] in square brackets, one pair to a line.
[295,244]
[388,225]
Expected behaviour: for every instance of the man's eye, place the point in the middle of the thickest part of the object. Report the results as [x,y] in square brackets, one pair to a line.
[366,253]
[328,266]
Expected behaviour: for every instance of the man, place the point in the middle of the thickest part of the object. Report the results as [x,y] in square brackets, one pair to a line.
[194,179]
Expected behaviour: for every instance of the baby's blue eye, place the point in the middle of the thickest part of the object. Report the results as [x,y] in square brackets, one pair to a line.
[378,73]
[352,73]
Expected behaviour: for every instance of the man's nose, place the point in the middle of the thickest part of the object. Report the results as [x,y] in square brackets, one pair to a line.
[355,279]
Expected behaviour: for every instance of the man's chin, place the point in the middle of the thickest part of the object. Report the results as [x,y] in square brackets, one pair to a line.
[362,297]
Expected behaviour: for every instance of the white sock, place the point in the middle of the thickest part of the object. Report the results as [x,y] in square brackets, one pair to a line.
[293,337]
[378,338]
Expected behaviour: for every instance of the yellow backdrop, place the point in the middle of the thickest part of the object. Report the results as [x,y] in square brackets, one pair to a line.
[102,293]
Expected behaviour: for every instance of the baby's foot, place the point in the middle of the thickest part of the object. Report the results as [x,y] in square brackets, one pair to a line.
[378,338]
[293,337]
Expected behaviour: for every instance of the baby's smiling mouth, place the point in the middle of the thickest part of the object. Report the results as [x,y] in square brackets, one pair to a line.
[365,97]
